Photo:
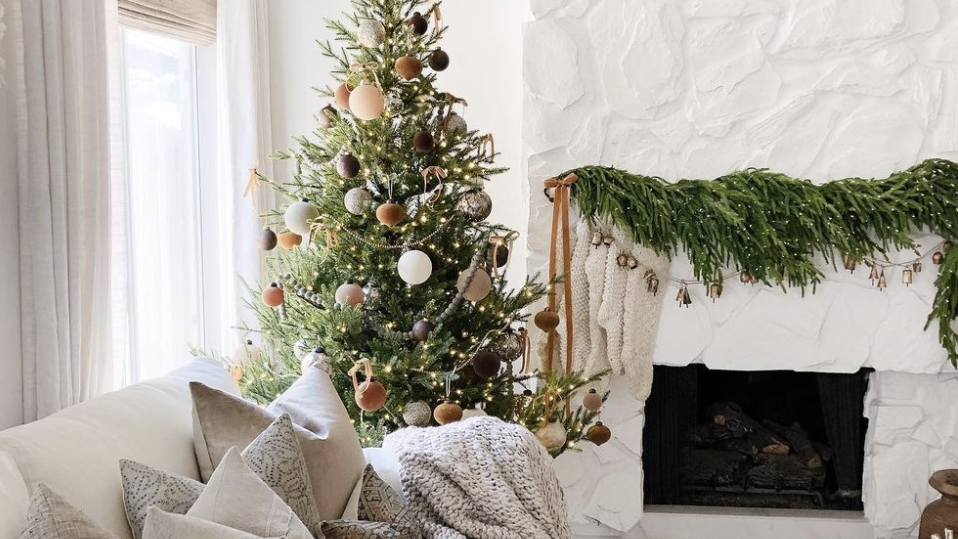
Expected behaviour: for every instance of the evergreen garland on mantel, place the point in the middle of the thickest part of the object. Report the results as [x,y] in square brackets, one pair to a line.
[770,225]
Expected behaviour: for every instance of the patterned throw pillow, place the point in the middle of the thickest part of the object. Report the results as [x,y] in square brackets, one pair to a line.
[382,514]
[51,517]
[144,487]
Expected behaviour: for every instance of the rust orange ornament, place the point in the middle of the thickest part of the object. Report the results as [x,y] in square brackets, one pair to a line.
[390,213]
[598,434]
[546,320]
[370,394]
[289,240]
[273,295]
[342,96]
[447,412]
[408,67]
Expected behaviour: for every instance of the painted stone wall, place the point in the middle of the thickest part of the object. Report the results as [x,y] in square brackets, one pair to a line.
[821,89]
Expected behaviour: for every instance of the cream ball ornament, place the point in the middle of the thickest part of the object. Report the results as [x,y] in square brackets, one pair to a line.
[479,287]
[298,216]
[245,354]
[367,102]
[552,436]
[414,267]
[350,294]
[357,200]
[371,33]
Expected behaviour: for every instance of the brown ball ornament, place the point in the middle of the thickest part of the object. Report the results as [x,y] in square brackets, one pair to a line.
[422,329]
[350,294]
[937,258]
[422,141]
[598,434]
[273,295]
[592,401]
[447,412]
[267,239]
[408,67]
[546,320]
[327,117]
[418,24]
[500,257]
[479,287]
[342,96]
[438,60]
[348,166]
[390,214]
[289,240]
[371,396]
[486,363]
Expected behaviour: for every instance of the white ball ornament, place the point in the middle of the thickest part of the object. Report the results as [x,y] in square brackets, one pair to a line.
[245,354]
[357,200]
[298,216]
[350,294]
[552,436]
[367,102]
[414,267]
[371,33]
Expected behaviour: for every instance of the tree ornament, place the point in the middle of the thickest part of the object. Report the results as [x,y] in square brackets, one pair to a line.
[598,434]
[438,60]
[850,264]
[273,295]
[267,239]
[371,33]
[423,142]
[937,257]
[592,401]
[421,330]
[546,320]
[408,67]
[372,295]
[348,166]
[916,267]
[479,287]
[447,412]
[455,125]
[715,291]
[327,117]
[367,102]
[476,205]
[417,414]
[473,412]
[245,354]
[357,200]
[508,345]
[500,252]
[552,436]
[342,96]
[289,240]
[873,275]
[350,294]
[418,24]
[370,394]
[486,363]
[298,216]
[907,277]
[390,213]
[414,267]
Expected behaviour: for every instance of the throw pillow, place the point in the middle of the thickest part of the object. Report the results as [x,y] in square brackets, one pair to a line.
[364,529]
[144,487]
[381,512]
[327,437]
[160,525]
[236,497]
[51,517]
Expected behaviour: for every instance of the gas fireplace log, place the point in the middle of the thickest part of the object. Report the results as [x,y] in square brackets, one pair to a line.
[731,423]
[708,467]
[785,472]
[799,441]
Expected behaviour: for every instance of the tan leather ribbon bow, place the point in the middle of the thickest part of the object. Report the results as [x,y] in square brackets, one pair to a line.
[560,224]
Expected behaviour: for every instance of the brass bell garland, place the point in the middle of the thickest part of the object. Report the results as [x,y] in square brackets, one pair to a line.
[850,264]
[945,247]
[746,278]
[622,260]
[597,239]
[937,257]
[715,291]
[652,282]
[607,240]
[916,267]
[906,277]
[633,263]
[873,276]
[882,283]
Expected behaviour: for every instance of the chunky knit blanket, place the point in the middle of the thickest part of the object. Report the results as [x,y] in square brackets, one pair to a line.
[480,478]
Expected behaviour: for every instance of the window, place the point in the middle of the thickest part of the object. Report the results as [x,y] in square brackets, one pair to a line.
[166,159]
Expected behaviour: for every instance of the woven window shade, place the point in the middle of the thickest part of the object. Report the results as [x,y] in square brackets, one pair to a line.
[189,20]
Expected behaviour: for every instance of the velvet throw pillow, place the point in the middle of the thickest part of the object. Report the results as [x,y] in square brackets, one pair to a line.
[382,514]
[51,517]
[329,443]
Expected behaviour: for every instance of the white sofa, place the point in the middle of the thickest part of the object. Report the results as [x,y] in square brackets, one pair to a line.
[76,452]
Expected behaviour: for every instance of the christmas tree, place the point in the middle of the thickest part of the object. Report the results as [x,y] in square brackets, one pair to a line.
[387,272]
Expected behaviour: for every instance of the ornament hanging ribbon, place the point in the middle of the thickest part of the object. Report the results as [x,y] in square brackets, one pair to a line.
[501,242]
[368,66]
[253,185]
[331,238]
[487,150]
[437,16]
[440,174]
[560,225]
[526,367]
[367,365]
[452,101]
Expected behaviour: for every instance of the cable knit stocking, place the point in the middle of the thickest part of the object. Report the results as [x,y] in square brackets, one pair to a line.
[613,297]
[595,275]
[580,296]
[641,318]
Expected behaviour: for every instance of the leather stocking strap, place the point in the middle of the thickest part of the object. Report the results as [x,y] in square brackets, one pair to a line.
[560,225]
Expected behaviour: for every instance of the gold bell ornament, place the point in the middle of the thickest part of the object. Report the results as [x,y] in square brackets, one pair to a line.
[715,291]
[937,257]
[622,260]
[873,276]
[850,264]
[906,277]
[652,282]
[596,238]
[916,267]
[882,283]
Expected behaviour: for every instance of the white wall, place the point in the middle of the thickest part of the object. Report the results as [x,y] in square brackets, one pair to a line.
[483,42]
[11,383]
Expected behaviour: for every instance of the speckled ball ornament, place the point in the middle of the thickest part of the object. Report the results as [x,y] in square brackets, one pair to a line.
[592,401]
[438,60]
[273,295]
[473,412]
[418,24]
[423,141]
[327,117]
[479,287]
[348,166]
[299,216]
[486,363]
[371,396]
[357,200]
[267,239]
[289,240]
[552,436]
[367,102]
[350,294]
[245,354]
[417,414]
[408,67]
[508,346]
[455,125]
[342,96]
[421,330]
[447,412]
[371,33]
[598,433]
[476,205]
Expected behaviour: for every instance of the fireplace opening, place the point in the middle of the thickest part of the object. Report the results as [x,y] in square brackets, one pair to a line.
[776,439]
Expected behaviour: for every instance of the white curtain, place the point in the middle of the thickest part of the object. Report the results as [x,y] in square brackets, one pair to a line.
[243,76]
[63,140]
